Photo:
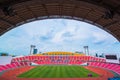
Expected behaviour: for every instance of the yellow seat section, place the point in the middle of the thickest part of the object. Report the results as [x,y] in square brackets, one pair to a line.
[61,53]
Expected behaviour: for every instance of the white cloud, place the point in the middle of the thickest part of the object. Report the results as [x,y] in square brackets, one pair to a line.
[58,37]
[102,36]
[99,36]
[74,30]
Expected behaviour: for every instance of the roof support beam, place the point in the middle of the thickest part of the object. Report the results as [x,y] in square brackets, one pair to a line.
[88,13]
[97,20]
[109,24]
[74,10]
[29,9]
[2,28]
[6,21]
[44,6]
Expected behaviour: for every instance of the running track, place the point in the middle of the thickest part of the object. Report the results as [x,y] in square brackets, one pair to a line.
[11,74]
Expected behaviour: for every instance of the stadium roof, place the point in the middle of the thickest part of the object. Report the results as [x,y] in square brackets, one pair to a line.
[103,13]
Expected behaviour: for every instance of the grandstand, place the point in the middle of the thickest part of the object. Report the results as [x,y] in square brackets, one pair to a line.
[25,63]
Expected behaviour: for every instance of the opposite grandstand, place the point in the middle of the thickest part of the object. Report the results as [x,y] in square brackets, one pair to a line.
[59,65]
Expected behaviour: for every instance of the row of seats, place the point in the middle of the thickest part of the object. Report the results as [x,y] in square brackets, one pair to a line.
[110,66]
[38,58]
[13,65]
[60,62]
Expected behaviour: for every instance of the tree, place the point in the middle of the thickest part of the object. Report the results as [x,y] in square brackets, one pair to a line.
[3,54]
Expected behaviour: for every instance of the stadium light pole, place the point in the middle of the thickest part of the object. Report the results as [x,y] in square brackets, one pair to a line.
[86,50]
[32,47]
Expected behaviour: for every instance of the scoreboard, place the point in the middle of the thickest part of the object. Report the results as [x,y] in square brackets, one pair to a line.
[114,57]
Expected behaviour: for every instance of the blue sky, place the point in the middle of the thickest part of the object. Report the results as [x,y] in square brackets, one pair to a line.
[58,35]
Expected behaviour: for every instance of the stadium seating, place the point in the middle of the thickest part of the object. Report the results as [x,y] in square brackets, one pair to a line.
[13,65]
[59,58]
[49,58]
[110,66]
[1,69]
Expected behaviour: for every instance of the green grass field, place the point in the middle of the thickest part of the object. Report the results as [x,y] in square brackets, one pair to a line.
[58,72]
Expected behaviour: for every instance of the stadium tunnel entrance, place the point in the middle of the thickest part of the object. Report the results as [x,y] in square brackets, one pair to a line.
[103,14]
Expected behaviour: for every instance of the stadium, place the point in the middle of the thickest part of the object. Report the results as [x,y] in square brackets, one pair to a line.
[59,65]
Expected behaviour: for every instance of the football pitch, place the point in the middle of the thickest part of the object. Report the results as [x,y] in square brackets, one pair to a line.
[56,71]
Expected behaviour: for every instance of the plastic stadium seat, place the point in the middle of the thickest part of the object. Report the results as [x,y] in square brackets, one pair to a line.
[4,67]
[110,66]
[17,63]
[106,65]
[9,66]
[13,64]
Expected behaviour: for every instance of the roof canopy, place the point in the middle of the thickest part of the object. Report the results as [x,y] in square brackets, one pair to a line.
[102,13]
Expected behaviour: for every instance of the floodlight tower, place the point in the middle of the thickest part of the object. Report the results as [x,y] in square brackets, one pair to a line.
[32,47]
[86,50]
